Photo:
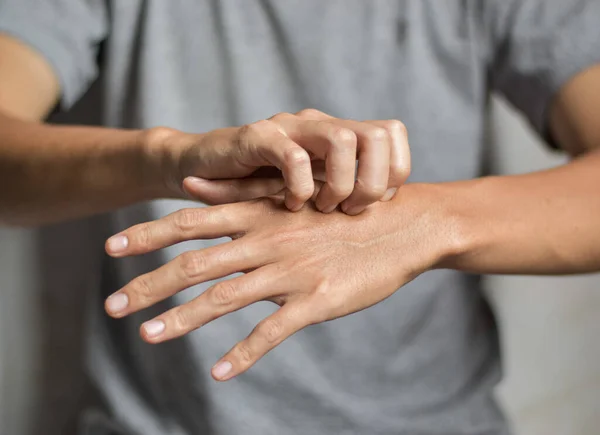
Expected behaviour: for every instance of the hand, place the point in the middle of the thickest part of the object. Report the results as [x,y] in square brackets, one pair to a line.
[290,142]
[316,267]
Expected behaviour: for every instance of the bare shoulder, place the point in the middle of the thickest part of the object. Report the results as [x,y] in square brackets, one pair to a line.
[29,87]
[574,113]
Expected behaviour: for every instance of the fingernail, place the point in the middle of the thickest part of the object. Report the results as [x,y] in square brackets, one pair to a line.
[118,243]
[154,327]
[117,302]
[221,369]
[389,194]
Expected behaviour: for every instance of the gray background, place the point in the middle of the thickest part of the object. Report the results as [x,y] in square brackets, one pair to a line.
[550,326]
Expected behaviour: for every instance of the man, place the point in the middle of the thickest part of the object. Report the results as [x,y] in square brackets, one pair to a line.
[424,361]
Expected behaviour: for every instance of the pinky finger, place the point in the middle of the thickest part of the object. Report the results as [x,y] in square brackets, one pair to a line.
[266,335]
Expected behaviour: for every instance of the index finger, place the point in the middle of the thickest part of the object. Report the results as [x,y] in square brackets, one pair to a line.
[186,224]
[265,143]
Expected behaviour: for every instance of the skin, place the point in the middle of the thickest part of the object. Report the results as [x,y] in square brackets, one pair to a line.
[64,172]
[316,267]
[319,267]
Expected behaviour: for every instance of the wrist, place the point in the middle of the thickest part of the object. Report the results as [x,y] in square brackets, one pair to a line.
[443,225]
[163,150]
[458,231]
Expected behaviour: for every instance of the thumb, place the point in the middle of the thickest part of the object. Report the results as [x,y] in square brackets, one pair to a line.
[215,192]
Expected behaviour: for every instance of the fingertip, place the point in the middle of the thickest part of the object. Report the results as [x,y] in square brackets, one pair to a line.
[389,194]
[324,202]
[352,210]
[152,331]
[116,245]
[292,203]
[116,304]
[145,336]
[222,371]
[191,185]
[195,181]
[327,208]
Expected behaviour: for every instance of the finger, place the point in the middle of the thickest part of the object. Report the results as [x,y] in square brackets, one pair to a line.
[339,179]
[373,170]
[319,171]
[400,162]
[270,145]
[186,270]
[222,298]
[234,190]
[182,225]
[332,142]
[318,186]
[269,333]
[314,115]
[373,160]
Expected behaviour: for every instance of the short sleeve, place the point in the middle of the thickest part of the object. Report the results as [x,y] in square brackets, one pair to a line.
[536,46]
[66,32]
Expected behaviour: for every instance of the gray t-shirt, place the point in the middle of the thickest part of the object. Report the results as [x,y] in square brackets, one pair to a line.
[425,361]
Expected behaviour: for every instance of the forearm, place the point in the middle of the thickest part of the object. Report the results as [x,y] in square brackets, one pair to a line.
[52,173]
[540,223]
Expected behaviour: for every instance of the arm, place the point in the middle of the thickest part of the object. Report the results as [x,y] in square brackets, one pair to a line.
[546,222]
[318,268]
[51,173]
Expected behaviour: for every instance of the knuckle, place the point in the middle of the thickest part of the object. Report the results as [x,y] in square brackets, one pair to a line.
[285,238]
[402,128]
[341,190]
[304,191]
[399,173]
[143,236]
[193,263]
[342,138]
[395,126]
[261,126]
[223,293]
[296,156]
[282,117]
[377,134]
[181,319]
[187,219]
[142,289]
[370,190]
[334,301]
[310,113]
[245,354]
[326,303]
[271,330]
[244,133]
[248,132]
[323,289]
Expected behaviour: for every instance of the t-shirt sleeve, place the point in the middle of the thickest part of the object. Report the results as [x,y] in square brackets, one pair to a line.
[536,47]
[67,33]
